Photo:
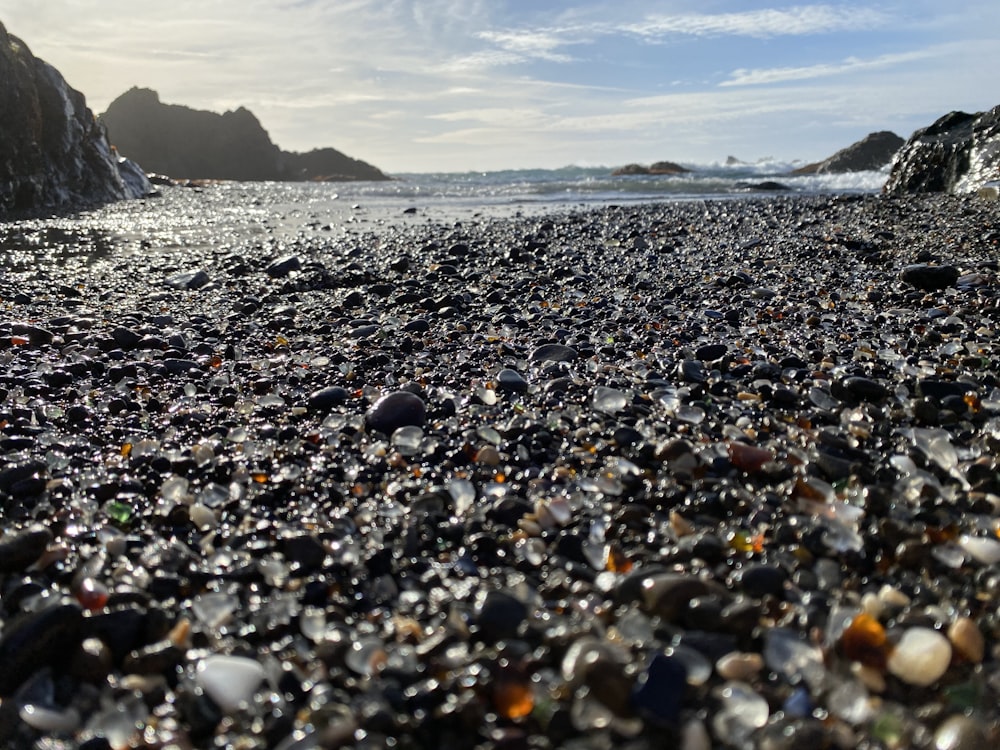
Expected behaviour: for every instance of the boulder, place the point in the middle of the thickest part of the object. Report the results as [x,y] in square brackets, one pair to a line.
[53,153]
[874,151]
[174,140]
[957,154]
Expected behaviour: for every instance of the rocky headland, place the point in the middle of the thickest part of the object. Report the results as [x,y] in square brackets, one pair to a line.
[187,143]
[53,153]
[874,151]
[956,154]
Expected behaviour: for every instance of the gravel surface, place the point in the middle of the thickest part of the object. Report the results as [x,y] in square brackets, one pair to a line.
[701,475]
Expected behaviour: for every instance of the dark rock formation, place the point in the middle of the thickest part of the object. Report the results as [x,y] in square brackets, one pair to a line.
[957,154]
[52,151]
[660,167]
[873,151]
[188,143]
[765,186]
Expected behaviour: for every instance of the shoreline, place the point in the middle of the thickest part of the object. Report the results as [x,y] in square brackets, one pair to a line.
[717,473]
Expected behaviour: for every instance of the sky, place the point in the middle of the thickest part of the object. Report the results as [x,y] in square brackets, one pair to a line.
[477,85]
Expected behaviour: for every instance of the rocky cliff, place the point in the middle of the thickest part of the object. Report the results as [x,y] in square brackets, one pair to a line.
[956,154]
[874,151]
[188,143]
[52,151]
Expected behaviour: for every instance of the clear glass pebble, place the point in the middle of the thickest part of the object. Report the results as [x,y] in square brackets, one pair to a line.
[214,608]
[789,655]
[407,440]
[608,400]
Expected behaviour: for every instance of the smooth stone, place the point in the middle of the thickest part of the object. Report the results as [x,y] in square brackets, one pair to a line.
[325,399]
[305,550]
[759,580]
[36,335]
[179,366]
[188,280]
[863,389]
[929,278]
[46,719]
[229,680]
[741,666]
[667,594]
[710,352]
[511,381]
[499,615]
[921,657]
[20,550]
[659,692]
[282,267]
[960,733]
[982,549]
[395,410]
[967,639]
[14,477]
[45,638]
[126,338]
[692,371]
[942,389]
[553,353]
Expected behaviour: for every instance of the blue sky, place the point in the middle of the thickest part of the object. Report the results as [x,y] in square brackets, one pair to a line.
[456,85]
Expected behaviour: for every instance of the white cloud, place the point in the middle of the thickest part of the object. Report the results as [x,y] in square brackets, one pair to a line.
[797,21]
[762,76]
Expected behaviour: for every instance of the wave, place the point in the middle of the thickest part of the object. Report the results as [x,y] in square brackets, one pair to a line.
[576,184]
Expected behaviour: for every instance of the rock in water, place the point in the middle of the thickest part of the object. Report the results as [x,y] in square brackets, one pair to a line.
[52,150]
[956,154]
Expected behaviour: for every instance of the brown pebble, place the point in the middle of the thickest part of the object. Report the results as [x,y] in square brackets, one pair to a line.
[739,665]
[967,639]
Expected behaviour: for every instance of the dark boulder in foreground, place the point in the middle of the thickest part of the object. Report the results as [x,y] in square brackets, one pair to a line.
[52,151]
[181,142]
[657,168]
[957,154]
[874,151]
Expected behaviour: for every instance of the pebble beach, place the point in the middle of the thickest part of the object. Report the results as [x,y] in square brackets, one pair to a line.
[699,474]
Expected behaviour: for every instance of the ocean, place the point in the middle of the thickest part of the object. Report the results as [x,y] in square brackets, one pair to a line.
[231,213]
[596,185]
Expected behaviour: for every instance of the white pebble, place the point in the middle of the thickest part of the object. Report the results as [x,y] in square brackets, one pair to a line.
[229,680]
[982,549]
[921,657]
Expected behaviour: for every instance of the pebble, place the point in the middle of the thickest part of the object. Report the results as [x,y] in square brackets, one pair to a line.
[921,657]
[739,666]
[930,278]
[511,381]
[553,353]
[485,473]
[229,680]
[960,733]
[21,549]
[967,640]
[395,410]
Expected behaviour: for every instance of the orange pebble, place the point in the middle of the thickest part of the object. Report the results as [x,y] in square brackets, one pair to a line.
[864,641]
[513,697]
